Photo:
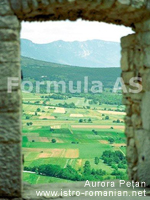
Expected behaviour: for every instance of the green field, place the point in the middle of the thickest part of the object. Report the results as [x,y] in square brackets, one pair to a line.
[80,133]
[37,179]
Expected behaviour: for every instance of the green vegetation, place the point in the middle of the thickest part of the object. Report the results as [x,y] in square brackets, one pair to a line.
[70,137]
[53,141]
[96,160]
[116,159]
[70,173]
[61,140]
[42,71]
[39,179]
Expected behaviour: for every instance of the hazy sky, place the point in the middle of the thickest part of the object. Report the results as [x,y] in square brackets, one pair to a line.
[46,32]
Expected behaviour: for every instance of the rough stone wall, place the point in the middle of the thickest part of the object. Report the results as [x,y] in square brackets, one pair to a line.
[10,123]
[123,12]
[135,62]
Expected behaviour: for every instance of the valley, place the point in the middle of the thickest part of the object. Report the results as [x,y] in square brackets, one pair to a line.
[70,136]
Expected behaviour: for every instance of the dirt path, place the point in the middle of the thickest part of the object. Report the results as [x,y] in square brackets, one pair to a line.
[37,180]
[70,131]
[66,163]
[122,151]
[29,172]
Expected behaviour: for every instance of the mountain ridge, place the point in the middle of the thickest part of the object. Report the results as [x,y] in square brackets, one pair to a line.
[90,53]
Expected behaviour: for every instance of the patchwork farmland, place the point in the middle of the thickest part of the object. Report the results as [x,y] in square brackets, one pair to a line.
[63,136]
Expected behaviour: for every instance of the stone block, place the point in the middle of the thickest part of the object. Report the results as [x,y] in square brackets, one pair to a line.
[142,141]
[34,4]
[124,60]
[31,5]
[138,3]
[16,5]
[107,4]
[128,121]
[135,89]
[10,102]
[146,57]
[25,6]
[146,81]
[130,59]
[10,167]
[129,131]
[13,51]
[127,76]
[136,97]
[46,2]
[145,111]
[5,8]
[136,108]
[124,2]
[126,100]
[131,152]
[9,35]
[138,57]
[145,38]
[9,70]
[9,22]
[136,121]
[128,110]
[128,41]
[144,70]
[143,26]
[10,127]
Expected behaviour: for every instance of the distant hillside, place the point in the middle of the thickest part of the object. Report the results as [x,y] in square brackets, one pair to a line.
[40,70]
[91,53]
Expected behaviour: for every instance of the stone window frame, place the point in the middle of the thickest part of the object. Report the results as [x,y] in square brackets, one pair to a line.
[134,62]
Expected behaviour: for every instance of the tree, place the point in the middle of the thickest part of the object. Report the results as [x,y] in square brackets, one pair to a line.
[89,120]
[118,121]
[38,109]
[115,172]
[111,140]
[114,166]
[100,172]
[121,165]
[107,117]
[96,160]
[95,132]
[87,168]
[93,172]
[80,120]
[53,141]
